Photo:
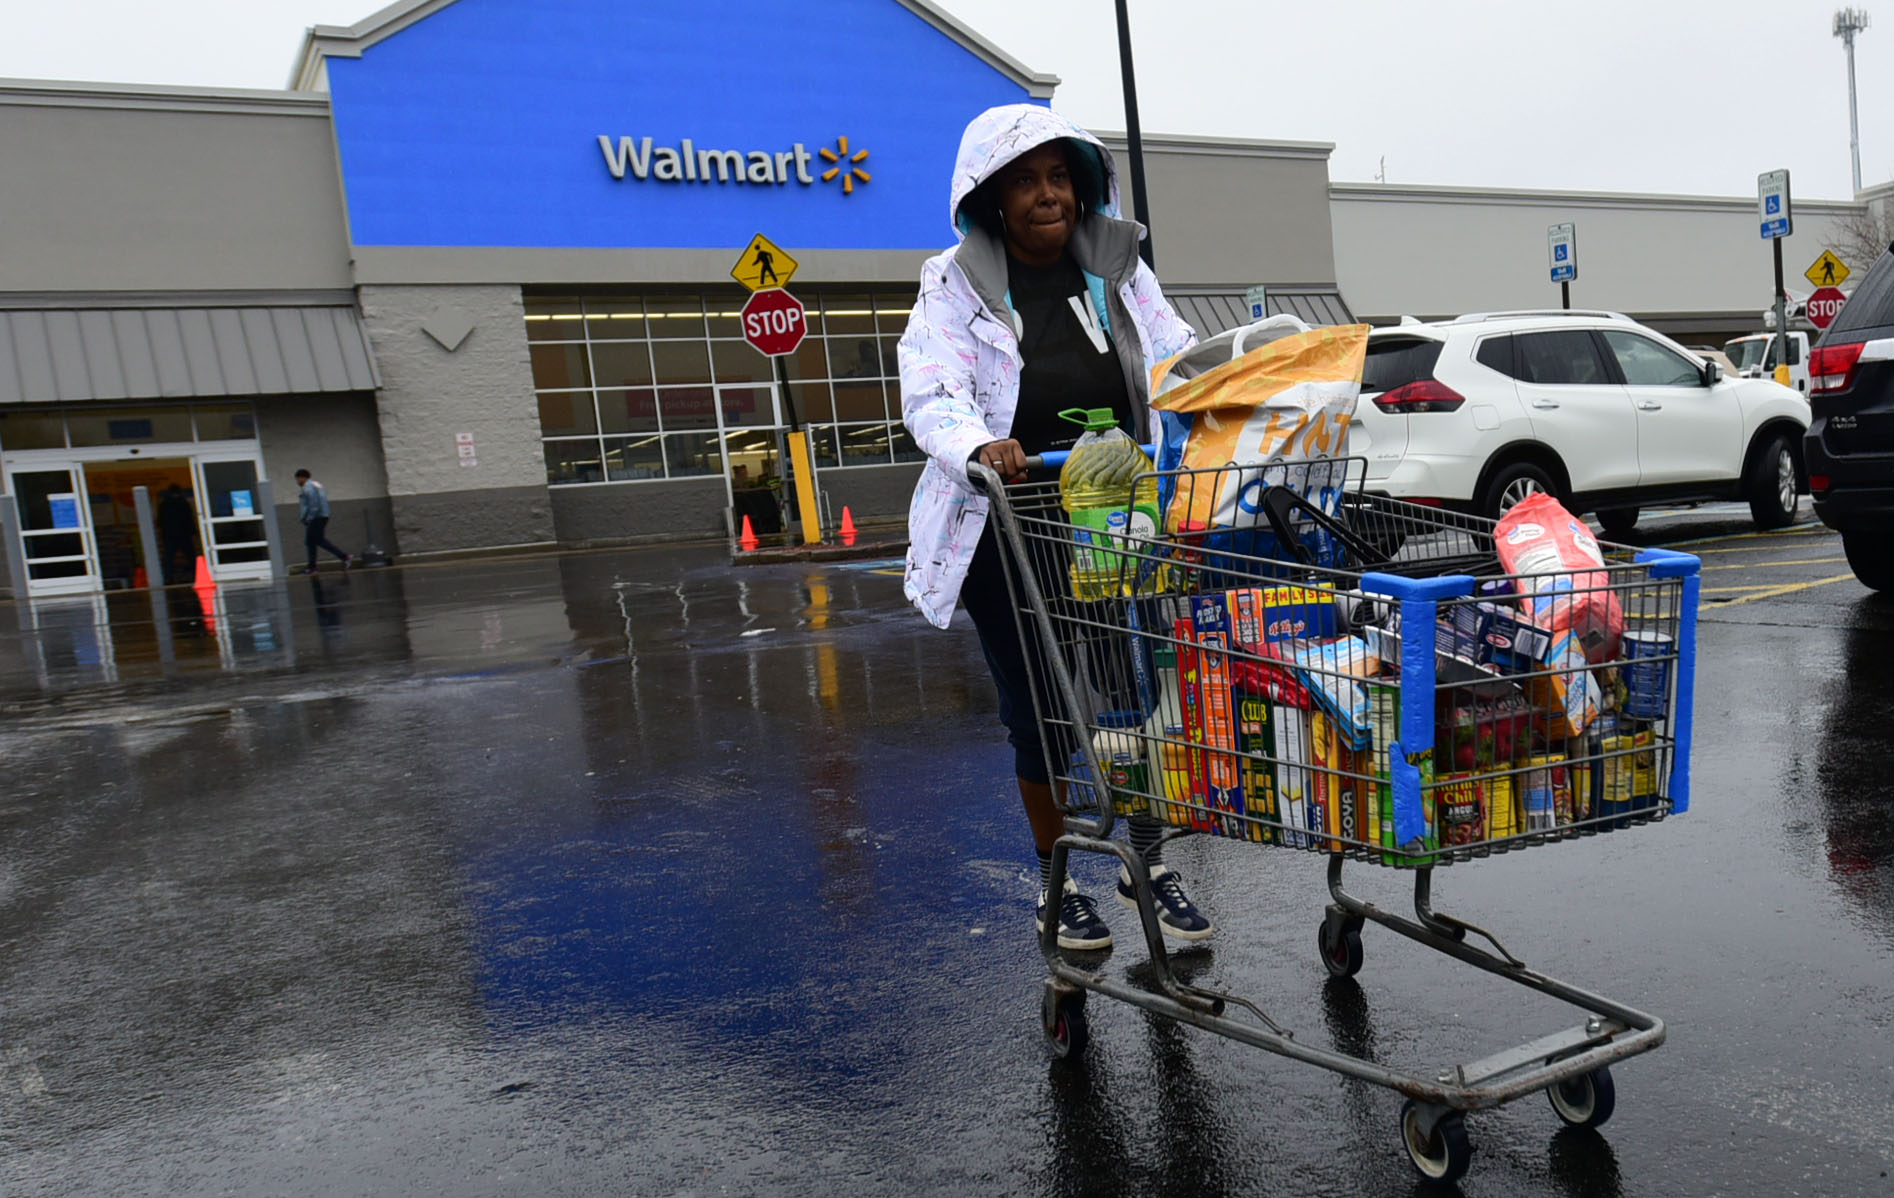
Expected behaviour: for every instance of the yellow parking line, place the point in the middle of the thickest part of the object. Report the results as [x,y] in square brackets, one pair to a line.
[1801,561]
[1799,530]
[1774,592]
[1761,586]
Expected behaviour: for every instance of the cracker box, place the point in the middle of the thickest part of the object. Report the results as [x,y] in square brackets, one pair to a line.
[1324,787]
[1190,692]
[1256,739]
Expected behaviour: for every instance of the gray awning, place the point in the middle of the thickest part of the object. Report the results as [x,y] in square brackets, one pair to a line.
[51,355]
[1211,313]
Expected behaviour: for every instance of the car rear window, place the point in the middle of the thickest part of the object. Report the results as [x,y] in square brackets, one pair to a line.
[1564,357]
[1396,362]
[1871,307]
[1497,352]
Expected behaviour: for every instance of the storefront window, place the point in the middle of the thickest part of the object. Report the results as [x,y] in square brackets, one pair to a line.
[129,426]
[224,422]
[56,428]
[640,387]
[32,430]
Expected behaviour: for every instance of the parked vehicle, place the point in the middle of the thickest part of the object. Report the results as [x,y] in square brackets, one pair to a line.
[1478,412]
[1755,357]
[1850,445]
[1710,353]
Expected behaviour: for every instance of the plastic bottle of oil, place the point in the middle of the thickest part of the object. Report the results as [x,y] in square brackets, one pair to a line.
[1095,487]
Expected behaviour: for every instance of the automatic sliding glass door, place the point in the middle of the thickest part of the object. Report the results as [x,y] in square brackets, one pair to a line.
[55,531]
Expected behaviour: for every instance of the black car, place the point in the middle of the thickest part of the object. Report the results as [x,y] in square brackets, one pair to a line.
[1850,446]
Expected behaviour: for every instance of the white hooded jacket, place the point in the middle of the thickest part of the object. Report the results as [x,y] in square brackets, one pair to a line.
[960,357]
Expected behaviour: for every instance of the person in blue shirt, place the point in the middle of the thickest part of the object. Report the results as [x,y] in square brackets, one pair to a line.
[313,502]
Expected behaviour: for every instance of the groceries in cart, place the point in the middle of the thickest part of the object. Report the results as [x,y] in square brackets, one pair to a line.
[1275,714]
[1258,406]
[1107,489]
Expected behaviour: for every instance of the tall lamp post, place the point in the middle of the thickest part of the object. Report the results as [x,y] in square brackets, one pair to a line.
[1134,139]
[1848,22]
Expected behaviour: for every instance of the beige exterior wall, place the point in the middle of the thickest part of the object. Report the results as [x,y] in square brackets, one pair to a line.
[1440,251]
[107,188]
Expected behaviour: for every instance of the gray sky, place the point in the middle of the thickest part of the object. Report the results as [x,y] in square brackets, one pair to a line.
[1692,96]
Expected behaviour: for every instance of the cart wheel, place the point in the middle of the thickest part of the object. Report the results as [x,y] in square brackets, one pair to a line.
[1442,1157]
[1066,1029]
[1586,1100]
[1340,947]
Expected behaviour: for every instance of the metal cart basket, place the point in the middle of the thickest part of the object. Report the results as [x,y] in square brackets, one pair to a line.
[1351,676]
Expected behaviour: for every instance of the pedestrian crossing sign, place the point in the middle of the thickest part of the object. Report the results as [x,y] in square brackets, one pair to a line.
[764,264]
[1828,270]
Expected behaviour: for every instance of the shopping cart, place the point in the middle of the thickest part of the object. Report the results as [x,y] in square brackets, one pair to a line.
[1352,676]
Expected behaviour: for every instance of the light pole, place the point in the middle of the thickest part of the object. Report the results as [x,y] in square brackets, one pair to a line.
[1134,136]
[1848,22]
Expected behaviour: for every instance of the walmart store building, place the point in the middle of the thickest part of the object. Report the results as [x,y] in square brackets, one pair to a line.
[473,269]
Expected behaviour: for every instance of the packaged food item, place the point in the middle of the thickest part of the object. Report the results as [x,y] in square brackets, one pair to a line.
[1568,590]
[1619,772]
[1095,487]
[1222,776]
[1291,726]
[1548,793]
[1190,689]
[1295,613]
[1460,806]
[1256,738]
[1647,674]
[1510,641]
[1567,696]
[1334,672]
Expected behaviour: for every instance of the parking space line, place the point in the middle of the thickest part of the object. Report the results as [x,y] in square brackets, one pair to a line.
[1790,589]
[1801,530]
[1800,561]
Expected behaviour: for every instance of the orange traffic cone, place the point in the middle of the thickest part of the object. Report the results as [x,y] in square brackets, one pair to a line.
[848,527]
[206,590]
[139,581]
[748,539]
[202,581]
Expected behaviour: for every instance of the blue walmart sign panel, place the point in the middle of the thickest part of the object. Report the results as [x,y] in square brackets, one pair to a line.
[666,124]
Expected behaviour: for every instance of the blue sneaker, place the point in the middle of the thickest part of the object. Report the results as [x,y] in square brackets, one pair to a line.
[1176,914]
[1080,928]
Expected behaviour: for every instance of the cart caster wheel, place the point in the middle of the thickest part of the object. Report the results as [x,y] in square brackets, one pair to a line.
[1340,947]
[1066,1029]
[1586,1100]
[1441,1157]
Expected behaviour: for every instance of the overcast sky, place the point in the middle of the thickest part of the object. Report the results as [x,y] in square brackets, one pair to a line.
[1690,96]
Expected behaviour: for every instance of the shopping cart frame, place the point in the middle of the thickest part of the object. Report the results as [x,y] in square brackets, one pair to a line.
[1570,1065]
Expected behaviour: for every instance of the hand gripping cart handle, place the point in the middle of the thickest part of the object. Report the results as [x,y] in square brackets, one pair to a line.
[1339,673]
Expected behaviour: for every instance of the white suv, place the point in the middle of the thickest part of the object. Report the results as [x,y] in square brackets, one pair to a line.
[1478,412]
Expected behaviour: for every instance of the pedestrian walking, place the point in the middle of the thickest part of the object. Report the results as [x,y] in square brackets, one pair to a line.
[313,502]
[1043,305]
[177,534]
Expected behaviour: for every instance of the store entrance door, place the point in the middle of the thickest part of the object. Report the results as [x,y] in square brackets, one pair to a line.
[114,514]
[55,532]
[750,427]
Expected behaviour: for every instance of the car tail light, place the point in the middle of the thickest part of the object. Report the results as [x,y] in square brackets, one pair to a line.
[1422,395]
[1818,483]
[1832,368]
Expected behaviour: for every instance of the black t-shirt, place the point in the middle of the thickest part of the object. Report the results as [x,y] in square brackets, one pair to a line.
[1068,357]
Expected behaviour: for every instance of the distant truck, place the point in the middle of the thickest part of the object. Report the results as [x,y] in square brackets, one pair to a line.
[1754,356]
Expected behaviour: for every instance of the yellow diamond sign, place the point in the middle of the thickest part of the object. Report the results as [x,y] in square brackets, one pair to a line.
[1828,270]
[764,264]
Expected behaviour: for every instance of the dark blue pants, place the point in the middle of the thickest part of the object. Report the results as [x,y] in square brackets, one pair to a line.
[314,538]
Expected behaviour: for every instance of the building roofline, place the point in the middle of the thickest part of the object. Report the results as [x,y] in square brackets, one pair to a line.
[1445,194]
[348,41]
[1238,147]
[59,93]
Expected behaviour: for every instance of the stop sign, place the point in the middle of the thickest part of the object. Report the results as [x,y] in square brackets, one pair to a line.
[773,322]
[1825,305]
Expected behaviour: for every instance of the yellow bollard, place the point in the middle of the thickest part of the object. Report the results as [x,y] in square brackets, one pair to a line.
[805,487]
[1782,376]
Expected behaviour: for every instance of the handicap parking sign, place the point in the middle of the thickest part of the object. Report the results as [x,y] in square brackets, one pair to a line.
[1772,204]
[1561,252]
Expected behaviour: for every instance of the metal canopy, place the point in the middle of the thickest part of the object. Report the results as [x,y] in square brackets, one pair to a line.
[68,355]
[1213,312]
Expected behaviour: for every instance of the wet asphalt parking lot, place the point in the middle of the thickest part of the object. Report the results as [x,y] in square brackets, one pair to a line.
[632,872]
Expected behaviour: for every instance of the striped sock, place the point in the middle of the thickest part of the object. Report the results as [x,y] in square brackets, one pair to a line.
[1045,872]
[1145,835]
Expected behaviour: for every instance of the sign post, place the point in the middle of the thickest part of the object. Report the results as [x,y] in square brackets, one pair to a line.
[1772,208]
[1562,248]
[775,322]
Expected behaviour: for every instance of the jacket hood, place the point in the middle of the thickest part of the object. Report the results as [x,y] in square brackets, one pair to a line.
[999,135]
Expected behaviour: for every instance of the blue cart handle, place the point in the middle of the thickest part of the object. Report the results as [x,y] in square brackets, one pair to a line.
[1056,457]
